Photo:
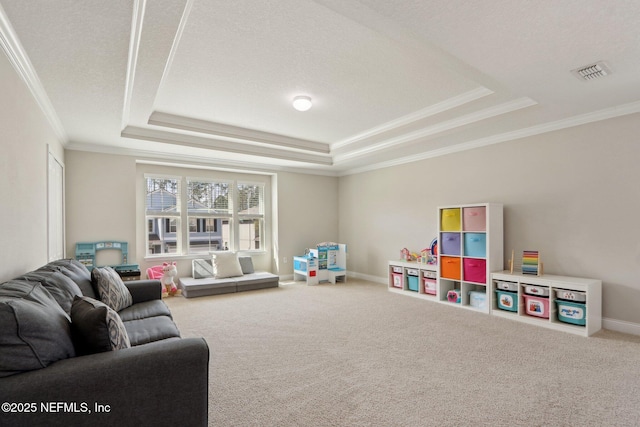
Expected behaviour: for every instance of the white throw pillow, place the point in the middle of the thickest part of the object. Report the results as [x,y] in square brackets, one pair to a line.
[225,264]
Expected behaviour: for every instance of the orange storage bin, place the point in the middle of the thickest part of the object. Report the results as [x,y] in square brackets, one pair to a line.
[450,267]
[450,219]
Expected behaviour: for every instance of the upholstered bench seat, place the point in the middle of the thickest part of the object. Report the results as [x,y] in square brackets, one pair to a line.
[205,283]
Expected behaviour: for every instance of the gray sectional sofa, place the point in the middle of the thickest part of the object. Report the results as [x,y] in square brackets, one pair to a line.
[205,281]
[67,358]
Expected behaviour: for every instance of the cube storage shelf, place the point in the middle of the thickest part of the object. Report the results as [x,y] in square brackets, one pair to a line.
[470,246]
[413,279]
[589,290]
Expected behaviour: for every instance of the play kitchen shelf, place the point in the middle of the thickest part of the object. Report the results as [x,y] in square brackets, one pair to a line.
[470,245]
[569,304]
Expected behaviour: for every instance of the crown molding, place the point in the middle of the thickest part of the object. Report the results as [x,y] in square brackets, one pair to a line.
[446,125]
[235,132]
[132,60]
[432,110]
[579,120]
[155,135]
[18,58]
[187,160]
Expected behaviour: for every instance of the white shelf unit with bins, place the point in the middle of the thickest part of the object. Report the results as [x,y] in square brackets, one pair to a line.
[399,282]
[592,289]
[470,247]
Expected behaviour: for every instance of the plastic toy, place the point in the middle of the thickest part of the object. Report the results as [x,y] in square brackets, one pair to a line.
[169,271]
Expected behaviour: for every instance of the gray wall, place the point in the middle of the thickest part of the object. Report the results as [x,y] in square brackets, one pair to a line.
[25,138]
[574,195]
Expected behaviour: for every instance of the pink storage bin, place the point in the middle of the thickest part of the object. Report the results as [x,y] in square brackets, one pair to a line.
[396,280]
[429,286]
[536,306]
[474,219]
[474,270]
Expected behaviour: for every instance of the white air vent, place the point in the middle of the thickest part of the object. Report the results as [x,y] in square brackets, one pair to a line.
[593,71]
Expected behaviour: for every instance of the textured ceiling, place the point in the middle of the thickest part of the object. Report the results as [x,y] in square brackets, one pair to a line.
[211,82]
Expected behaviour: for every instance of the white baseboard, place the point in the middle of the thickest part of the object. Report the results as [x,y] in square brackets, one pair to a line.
[375,279]
[621,326]
[611,324]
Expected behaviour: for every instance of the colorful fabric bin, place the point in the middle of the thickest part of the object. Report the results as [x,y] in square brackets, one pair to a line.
[450,219]
[474,219]
[450,244]
[475,270]
[572,312]
[450,267]
[507,301]
[475,244]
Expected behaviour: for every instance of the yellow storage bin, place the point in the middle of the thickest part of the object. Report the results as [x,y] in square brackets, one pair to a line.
[450,219]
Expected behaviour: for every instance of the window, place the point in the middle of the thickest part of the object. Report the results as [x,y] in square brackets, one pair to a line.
[209,215]
[215,215]
[162,214]
[250,216]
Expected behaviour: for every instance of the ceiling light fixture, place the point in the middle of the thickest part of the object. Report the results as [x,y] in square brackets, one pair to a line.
[302,102]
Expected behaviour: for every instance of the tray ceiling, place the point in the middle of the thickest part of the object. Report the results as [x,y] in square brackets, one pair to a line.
[391,81]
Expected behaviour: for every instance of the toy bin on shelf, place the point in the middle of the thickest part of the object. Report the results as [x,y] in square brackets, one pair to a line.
[450,219]
[574,296]
[450,267]
[507,301]
[475,270]
[478,300]
[506,286]
[571,312]
[475,245]
[450,244]
[397,280]
[299,264]
[536,306]
[412,280]
[474,218]
[429,286]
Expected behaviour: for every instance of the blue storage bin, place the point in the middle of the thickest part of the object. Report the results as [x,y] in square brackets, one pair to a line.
[572,312]
[475,244]
[300,263]
[507,300]
[450,244]
[412,283]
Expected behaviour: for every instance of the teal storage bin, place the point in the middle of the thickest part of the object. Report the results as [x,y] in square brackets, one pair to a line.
[571,312]
[507,300]
[413,283]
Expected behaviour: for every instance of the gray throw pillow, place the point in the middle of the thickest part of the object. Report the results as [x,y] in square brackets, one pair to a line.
[201,268]
[35,330]
[111,288]
[246,263]
[96,327]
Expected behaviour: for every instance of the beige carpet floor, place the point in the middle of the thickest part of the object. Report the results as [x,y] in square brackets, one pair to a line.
[355,354]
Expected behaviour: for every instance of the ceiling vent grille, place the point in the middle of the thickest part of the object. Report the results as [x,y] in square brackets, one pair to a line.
[592,72]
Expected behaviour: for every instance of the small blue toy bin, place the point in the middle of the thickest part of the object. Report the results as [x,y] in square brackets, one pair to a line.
[507,300]
[571,312]
[412,280]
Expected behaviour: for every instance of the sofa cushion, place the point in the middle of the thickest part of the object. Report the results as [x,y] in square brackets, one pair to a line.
[246,263]
[150,329]
[226,264]
[76,271]
[111,288]
[145,309]
[96,327]
[35,330]
[201,268]
[60,286]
